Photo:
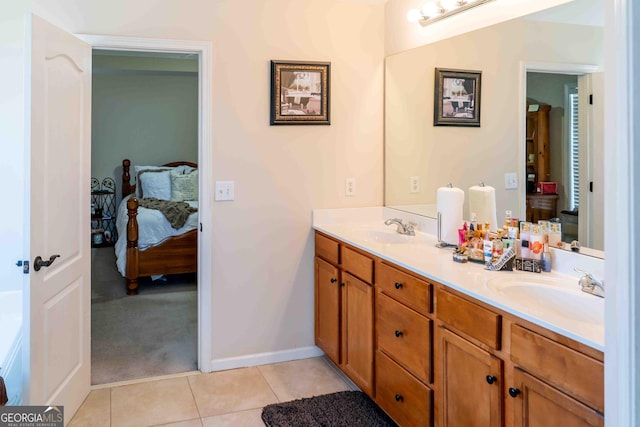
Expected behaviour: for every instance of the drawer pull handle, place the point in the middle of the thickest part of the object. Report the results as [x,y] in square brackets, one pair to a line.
[514,392]
[399,398]
[334,280]
[491,379]
[398,285]
[398,334]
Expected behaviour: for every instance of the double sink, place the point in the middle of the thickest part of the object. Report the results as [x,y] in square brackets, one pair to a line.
[548,296]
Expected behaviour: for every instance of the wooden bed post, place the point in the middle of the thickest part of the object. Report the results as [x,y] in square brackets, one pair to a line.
[132,246]
[126,178]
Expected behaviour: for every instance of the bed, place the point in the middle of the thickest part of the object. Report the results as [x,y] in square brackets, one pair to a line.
[148,245]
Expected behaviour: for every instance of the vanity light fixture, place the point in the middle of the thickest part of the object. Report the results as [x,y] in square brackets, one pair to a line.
[439,9]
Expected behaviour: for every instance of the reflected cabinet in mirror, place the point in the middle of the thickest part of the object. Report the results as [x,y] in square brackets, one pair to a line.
[538,78]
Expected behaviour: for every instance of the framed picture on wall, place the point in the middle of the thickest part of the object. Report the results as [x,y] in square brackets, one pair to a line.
[300,93]
[457,98]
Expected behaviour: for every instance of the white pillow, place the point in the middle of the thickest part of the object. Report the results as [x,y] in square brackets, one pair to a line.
[155,183]
[184,186]
[135,175]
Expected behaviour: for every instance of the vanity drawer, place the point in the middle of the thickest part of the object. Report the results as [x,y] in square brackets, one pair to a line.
[407,289]
[403,397]
[357,264]
[469,318]
[571,371]
[404,335]
[327,249]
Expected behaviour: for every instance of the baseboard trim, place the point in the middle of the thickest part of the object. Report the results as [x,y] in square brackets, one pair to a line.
[265,358]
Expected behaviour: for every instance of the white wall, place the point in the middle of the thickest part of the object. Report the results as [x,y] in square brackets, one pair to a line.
[461,155]
[262,243]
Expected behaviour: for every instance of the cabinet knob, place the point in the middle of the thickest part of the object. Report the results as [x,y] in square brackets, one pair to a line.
[341,284]
[514,392]
[399,398]
[334,280]
[398,334]
[398,285]
[491,379]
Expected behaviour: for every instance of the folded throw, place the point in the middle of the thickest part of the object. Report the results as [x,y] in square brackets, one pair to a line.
[176,213]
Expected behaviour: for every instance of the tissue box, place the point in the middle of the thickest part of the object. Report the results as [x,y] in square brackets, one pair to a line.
[547,187]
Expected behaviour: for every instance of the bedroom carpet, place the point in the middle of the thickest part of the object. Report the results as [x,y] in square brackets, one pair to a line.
[341,409]
[150,334]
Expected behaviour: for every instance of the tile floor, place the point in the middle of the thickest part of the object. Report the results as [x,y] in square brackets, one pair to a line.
[219,399]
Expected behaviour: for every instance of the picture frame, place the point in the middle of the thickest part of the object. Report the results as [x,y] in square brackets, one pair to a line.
[457,97]
[300,93]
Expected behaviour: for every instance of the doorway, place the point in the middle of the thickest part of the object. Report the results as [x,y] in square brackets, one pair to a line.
[201,50]
[145,110]
[559,96]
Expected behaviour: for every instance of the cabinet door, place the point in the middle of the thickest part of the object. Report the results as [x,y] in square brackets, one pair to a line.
[327,309]
[540,405]
[357,332]
[470,389]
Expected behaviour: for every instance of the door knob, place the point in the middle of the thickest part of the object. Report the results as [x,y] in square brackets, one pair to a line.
[334,280]
[38,263]
[491,379]
[399,334]
[398,285]
[514,392]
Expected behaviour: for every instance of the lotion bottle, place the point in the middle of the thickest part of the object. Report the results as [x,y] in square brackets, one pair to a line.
[546,259]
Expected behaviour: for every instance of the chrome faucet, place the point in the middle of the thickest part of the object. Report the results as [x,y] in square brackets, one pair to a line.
[590,284]
[402,227]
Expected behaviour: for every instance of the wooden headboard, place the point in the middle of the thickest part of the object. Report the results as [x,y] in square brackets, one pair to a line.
[128,188]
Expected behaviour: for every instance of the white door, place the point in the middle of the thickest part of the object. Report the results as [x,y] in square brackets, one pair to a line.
[59,295]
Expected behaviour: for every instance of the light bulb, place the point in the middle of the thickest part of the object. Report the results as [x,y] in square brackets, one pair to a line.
[430,10]
[450,4]
[414,15]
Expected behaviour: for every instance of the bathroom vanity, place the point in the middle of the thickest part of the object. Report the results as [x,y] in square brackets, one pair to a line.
[434,342]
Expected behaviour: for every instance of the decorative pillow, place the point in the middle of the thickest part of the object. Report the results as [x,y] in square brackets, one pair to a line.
[184,186]
[155,183]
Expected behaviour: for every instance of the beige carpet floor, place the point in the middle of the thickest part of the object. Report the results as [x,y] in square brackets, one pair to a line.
[149,334]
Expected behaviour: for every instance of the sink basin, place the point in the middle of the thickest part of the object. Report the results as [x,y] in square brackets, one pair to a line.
[382,236]
[551,297]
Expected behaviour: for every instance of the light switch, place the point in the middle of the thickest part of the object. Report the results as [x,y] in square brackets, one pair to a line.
[350,187]
[510,181]
[225,191]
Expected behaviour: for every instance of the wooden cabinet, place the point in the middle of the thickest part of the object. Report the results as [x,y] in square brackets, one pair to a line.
[357,332]
[404,332]
[441,357]
[327,309]
[537,138]
[344,309]
[541,405]
[470,383]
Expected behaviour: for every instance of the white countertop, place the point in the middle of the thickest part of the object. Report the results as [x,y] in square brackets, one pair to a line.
[422,257]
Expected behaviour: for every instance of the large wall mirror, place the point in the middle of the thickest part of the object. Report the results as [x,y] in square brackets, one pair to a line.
[549,61]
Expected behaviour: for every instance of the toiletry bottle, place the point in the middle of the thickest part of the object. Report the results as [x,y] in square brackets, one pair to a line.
[546,259]
[536,242]
[525,228]
[473,226]
[488,247]
[545,226]
[555,235]
[507,222]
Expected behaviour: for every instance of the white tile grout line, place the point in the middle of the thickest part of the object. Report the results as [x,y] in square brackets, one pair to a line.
[268,383]
[341,374]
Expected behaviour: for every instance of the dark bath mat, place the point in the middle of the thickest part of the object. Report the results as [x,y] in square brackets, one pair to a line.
[344,408]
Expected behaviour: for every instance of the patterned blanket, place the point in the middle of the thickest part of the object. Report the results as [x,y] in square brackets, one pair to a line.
[175,212]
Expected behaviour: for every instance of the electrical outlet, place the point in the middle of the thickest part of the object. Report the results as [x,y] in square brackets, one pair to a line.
[225,191]
[510,181]
[414,186]
[350,187]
